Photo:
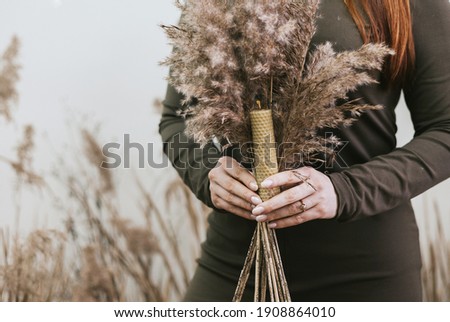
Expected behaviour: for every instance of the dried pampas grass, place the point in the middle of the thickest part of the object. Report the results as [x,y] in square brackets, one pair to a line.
[229,54]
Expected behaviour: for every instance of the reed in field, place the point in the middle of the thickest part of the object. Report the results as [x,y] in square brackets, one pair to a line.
[9,76]
[436,259]
[102,255]
[34,269]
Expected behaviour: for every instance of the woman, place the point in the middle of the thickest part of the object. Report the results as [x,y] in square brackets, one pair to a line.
[353,237]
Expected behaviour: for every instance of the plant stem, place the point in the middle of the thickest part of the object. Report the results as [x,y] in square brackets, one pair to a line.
[245,273]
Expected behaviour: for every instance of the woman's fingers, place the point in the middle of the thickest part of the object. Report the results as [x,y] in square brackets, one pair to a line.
[301,218]
[287,178]
[238,172]
[297,207]
[225,205]
[233,188]
[232,198]
[313,197]
[283,199]
[307,195]
[236,180]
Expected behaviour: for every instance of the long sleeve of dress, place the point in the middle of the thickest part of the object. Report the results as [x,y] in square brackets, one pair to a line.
[391,179]
[192,163]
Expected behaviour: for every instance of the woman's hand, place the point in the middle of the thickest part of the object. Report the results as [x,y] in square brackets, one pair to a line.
[310,196]
[233,188]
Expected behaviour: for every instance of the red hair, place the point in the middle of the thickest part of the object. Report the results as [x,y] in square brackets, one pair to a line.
[387,21]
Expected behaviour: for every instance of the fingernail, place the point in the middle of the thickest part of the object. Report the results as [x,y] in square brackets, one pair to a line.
[272,225]
[254,186]
[258,211]
[261,218]
[267,183]
[256,200]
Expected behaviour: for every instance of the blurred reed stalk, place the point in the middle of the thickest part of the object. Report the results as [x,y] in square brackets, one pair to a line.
[436,261]
[34,269]
[9,76]
[150,254]
[102,255]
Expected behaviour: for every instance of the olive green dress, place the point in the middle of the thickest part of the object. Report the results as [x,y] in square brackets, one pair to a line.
[370,252]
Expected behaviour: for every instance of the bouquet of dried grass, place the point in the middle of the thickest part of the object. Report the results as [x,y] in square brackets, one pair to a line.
[247,75]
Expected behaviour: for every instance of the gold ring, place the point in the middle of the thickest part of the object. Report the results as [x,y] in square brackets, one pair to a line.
[302,207]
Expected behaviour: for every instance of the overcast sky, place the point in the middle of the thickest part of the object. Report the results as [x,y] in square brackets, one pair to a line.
[94,58]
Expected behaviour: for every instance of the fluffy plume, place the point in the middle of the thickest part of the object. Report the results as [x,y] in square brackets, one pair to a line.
[230,54]
[9,76]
